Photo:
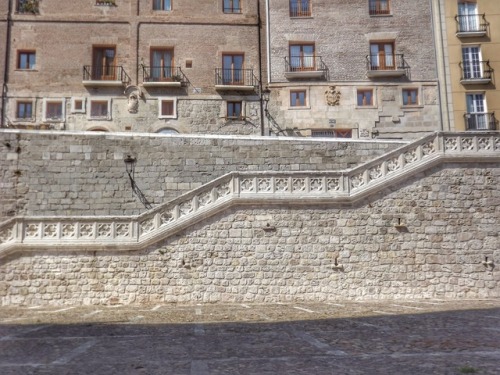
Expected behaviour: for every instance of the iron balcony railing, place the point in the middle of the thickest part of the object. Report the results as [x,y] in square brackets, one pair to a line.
[105,73]
[379,7]
[386,62]
[300,8]
[473,70]
[480,121]
[471,23]
[27,6]
[235,77]
[304,64]
[163,74]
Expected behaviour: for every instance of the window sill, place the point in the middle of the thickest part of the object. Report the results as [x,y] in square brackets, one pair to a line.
[412,106]
[366,107]
[381,15]
[103,118]
[26,70]
[298,108]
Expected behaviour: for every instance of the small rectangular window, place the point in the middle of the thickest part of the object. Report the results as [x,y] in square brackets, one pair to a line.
[78,105]
[53,110]
[99,109]
[298,98]
[24,110]
[232,6]
[410,96]
[300,8]
[162,4]
[365,98]
[27,6]
[234,110]
[379,7]
[167,108]
[26,60]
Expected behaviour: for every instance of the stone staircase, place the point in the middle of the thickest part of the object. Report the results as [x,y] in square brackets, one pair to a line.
[122,233]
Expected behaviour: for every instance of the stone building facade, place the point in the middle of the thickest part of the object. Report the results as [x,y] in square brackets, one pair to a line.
[130,65]
[360,68]
[471,60]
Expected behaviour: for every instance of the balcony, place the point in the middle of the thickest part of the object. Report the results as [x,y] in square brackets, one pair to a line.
[476,73]
[379,66]
[305,67]
[480,121]
[105,76]
[235,79]
[471,25]
[163,76]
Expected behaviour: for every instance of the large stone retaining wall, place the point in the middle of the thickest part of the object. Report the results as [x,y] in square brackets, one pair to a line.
[64,173]
[434,235]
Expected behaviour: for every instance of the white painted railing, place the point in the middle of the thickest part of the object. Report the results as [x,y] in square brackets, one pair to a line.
[289,187]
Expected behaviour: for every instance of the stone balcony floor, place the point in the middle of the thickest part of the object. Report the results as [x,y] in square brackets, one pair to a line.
[429,336]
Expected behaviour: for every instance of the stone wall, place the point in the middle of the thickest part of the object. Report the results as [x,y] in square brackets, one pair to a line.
[448,225]
[63,173]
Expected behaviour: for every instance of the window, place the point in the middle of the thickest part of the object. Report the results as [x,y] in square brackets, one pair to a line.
[477,117]
[379,7]
[302,57]
[167,108]
[471,58]
[53,110]
[162,4]
[161,64]
[27,6]
[105,2]
[26,60]
[24,110]
[78,105]
[410,97]
[232,69]
[100,109]
[232,6]
[382,56]
[104,64]
[468,16]
[300,8]
[298,98]
[365,97]
[234,110]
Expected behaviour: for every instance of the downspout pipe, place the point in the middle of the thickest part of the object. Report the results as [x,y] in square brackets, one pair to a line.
[6,65]
[268,42]
[259,38]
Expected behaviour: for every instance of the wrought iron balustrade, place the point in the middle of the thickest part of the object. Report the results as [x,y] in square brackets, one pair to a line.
[105,73]
[480,121]
[383,62]
[471,23]
[163,74]
[379,7]
[476,70]
[235,77]
[305,64]
[300,8]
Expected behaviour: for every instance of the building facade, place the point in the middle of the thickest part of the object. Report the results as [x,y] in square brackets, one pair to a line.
[360,68]
[130,65]
[471,44]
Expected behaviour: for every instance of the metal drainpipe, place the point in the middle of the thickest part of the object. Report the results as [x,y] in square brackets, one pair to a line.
[6,66]
[259,25]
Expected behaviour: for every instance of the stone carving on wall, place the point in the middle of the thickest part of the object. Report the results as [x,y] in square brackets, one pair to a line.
[332,96]
[133,93]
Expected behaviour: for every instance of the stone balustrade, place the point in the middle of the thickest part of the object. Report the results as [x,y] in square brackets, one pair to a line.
[131,233]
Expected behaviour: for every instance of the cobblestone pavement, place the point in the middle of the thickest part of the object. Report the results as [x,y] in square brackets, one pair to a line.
[391,337]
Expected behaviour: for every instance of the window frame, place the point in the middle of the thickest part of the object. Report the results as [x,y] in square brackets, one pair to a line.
[232,9]
[418,90]
[174,107]
[73,105]
[373,11]
[108,115]
[295,92]
[304,64]
[47,102]
[241,114]
[373,99]
[32,110]
[300,13]
[163,6]
[29,53]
